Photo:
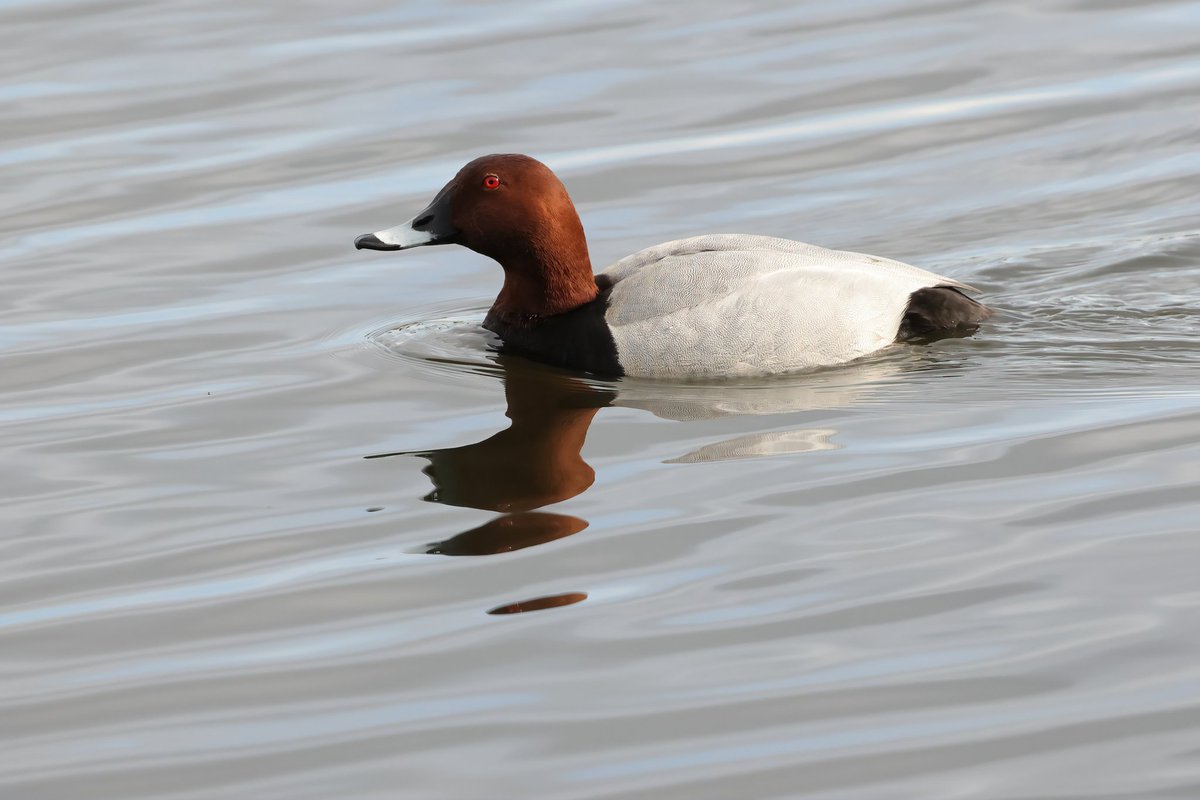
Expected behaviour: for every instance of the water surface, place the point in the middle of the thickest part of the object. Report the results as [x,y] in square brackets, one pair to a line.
[263,491]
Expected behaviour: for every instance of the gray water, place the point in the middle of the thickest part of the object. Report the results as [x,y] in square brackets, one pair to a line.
[967,570]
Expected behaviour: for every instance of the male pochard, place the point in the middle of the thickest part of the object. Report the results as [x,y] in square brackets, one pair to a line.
[709,306]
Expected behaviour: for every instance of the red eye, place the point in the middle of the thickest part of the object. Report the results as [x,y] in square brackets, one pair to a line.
[491,182]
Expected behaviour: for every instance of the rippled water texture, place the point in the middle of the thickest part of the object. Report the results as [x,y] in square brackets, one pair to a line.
[278,525]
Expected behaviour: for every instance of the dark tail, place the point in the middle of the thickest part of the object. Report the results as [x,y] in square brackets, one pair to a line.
[940,312]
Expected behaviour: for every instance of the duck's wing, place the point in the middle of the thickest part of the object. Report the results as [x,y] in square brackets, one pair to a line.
[732,304]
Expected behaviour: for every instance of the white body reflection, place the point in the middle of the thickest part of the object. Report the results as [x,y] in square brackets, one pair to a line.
[841,387]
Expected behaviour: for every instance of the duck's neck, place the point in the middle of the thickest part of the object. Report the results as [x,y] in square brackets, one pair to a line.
[550,275]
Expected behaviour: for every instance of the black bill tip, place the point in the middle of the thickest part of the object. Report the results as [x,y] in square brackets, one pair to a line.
[369,241]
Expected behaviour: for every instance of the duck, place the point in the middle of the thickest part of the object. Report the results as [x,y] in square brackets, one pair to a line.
[724,305]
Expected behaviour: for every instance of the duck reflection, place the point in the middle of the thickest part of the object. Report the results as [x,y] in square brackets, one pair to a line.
[533,463]
[537,460]
[539,603]
[509,532]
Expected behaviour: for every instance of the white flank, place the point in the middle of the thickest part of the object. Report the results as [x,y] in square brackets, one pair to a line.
[738,305]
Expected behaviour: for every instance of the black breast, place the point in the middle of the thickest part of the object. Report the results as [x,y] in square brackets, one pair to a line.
[940,312]
[579,339]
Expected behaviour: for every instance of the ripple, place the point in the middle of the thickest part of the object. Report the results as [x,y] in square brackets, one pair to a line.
[448,341]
